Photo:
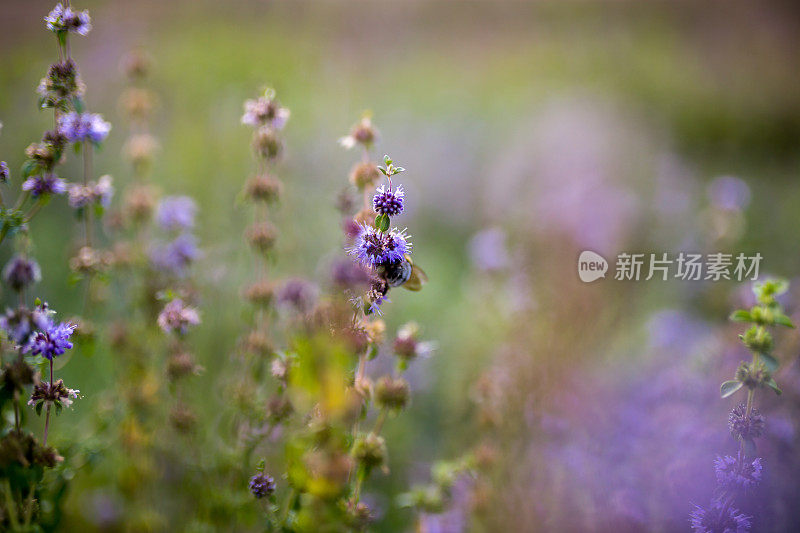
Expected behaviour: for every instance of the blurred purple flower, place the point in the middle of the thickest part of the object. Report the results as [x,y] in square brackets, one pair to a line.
[488,251]
[67,19]
[80,127]
[41,185]
[178,317]
[176,213]
[729,193]
[298,294]
[175,257]
[719,518]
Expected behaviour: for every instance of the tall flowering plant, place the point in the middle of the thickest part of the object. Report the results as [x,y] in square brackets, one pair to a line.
[33,340]
[741,472]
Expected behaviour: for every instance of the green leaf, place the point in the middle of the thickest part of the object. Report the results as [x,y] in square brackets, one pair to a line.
[382,222]
[783,320]
[774,386]
[729,387]
[741,315]
[770,362]
[383,171]
[387,160]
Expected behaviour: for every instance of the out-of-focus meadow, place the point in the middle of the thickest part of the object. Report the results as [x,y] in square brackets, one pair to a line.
[530,132]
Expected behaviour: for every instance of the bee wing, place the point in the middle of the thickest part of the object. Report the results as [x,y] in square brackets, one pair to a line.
[417,280]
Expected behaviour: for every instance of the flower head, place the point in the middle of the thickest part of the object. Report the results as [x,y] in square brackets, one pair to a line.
[262,485]
[57,394]
[20,323]
[737,473]
[80,127]
[386,202]
[44,184]
[176,256]
[373,248]
[362,133]
[20,272]
[743,426]
[178,317]
[4,173]
[265,111]
[176,213]
[62,19]
[719,518]
[52,341]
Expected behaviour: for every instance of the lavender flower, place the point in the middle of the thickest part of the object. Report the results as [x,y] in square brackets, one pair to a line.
[81,127]
[175,257]
[44,184]
[386,202]
[4,173]
[298,294]
[62,19]
[488,252]
[373,248]
[20,272]
[736,473]
[719,518]
[178,317]
[744,427]
[262,485]
[52,341]
[176,213]
[265,111]
[729,193]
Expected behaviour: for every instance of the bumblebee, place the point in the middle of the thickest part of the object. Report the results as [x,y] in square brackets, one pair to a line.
[404,274]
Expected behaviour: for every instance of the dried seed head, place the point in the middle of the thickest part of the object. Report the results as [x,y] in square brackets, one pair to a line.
[139,203]
[376,330]
[182,418]
[370,450]
[364,175]
[139,150]
[90,261]
[262,236]
[137,103]
[180,365]
[266,143]
[260,293]
[258,343]
[392,393]
[136,64]
[263,188]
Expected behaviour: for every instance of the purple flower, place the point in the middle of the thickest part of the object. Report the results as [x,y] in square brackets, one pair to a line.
[719,518]
[41,185]
[733,472]
[80,127]
[178,317]
[20,272]
[176,212]
[373,248]
[743,426]
[52,341]
[386,202]
[298,294]
[488,252]
[265,111]
[262,485]
[729,193]
[4,173]
[66,19]
[103,190]
[176,256]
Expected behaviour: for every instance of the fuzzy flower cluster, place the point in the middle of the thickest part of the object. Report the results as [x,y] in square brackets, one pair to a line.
[177,317]
[81,127]
[65,19]
[262,485]
[735,472]
[388,202]
[51,341]
[98,193]
[265,112]
[44,184]
[55,394]
[374,248]
[19,324]
[719,518]
[176,214]
[20,272]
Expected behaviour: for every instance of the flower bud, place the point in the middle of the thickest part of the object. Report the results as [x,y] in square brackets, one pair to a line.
[263,188]
[370,450]
[752,375]
[266,143]
[392,393]
[758,339]
[260,293]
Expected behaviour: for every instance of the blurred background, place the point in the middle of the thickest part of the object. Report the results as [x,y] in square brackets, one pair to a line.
[530,132]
